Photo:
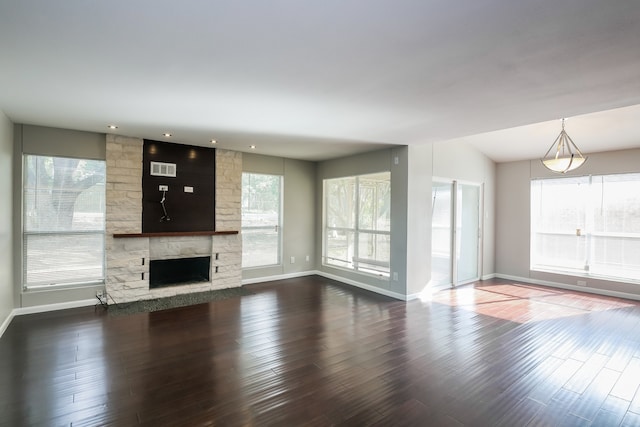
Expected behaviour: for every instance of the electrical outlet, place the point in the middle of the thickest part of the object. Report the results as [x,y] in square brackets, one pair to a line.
[395,276]
[307,258]
[99,293]
[163,188]
[293,260]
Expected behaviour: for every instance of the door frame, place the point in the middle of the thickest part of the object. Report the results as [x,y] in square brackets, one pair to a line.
[454,232]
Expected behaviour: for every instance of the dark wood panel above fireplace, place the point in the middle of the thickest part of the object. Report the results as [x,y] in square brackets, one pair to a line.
[189,201]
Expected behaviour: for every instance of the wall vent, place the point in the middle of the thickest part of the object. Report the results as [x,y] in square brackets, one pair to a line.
[163,169]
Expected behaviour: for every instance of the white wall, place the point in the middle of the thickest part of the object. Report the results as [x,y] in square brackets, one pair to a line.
[7,303]
[465,163]
[513,217]
[420,168]
[455,161]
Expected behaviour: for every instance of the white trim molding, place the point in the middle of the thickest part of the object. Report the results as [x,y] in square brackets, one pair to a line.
[278,277]
[44,308]
[361,285]
[7,321]
[355,283]
[585,289]
[54,307]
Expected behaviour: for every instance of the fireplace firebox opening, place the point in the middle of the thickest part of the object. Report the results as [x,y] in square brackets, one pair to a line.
[179,271]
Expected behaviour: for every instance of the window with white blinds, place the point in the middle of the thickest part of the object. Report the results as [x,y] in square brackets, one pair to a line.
[261,229]
[588,226]
[63,223]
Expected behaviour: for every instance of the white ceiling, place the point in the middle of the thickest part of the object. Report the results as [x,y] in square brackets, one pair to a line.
[316,80]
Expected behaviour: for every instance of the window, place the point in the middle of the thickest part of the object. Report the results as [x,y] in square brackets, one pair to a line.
[261,206]
[357,223]
[587,226]
[63,223]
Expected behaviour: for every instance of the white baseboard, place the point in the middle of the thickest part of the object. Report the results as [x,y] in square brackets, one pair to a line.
[585,289]
[44,308]
[361,285]
[488,276]
[54,307]
[278,277]
[413,296]
[7,321]
[351,282]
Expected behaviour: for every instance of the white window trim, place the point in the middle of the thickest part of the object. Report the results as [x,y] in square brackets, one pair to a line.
[355,230]
[583,272]
[279,226]
[24,233]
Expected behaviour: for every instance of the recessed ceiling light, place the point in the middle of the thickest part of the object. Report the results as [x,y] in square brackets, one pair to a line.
[112,127]
[253,147]
[166,135]
[213,141]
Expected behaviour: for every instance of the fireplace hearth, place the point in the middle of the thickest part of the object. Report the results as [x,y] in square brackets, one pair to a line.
[179,271]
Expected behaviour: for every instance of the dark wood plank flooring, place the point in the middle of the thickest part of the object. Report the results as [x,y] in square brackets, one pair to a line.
[313,352]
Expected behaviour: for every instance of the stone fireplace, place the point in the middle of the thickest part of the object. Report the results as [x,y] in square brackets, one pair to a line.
[130,253]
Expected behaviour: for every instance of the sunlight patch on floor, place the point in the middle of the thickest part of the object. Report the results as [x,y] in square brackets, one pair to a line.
[526,303]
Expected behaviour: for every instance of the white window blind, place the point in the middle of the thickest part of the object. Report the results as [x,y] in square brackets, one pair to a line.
[63,224]
[261,206]
[587,225]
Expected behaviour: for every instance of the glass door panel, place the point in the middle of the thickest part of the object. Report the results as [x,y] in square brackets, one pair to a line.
[467,232]
[441,231]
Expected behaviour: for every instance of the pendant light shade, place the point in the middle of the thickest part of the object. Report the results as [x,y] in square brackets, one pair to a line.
[563,155]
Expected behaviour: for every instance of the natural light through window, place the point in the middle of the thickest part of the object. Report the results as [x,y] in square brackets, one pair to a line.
[64,208]
[261,206]
[357,220]
[587,226]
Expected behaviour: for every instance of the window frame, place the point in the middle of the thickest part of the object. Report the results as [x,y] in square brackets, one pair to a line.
[351,265]
[586,234]
[25,232]
[278,226]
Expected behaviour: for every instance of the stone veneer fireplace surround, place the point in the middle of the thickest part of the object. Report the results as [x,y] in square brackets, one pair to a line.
[128,250]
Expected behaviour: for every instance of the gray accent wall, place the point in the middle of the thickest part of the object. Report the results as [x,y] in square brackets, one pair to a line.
[361,164]
[47,141]
[7,300]
[298,213]
[512,215]
[513,210]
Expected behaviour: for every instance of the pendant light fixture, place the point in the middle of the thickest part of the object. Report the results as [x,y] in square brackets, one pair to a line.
[567,156]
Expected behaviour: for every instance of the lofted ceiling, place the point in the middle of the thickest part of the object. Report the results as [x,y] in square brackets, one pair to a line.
[317,80]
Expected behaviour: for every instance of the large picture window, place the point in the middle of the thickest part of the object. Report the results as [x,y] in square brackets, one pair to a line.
[261,206]
[587,226]
[357,223]
[63,223]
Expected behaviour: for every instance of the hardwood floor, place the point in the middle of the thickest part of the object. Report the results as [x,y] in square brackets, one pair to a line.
[313,352]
